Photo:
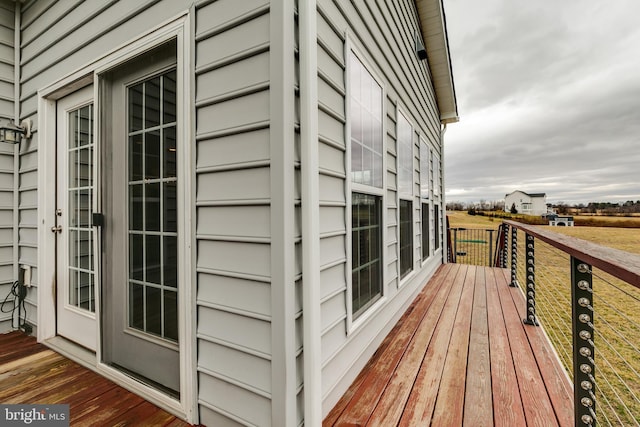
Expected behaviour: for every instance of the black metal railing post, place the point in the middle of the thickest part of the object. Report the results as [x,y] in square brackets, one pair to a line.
[490,264]
[583,347]
[514,257]
[505,245]
[530,273]
[455,245]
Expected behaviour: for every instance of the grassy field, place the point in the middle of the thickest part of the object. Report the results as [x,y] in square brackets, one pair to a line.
[617,318]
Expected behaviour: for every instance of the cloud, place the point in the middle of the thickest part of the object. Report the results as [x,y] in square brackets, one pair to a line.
[549,98]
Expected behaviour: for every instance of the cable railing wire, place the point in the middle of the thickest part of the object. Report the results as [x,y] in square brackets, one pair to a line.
[604,321]
[602,337]
[618,311]
[630,295]
[613,389]
[604,397]
[617,374]
[614,334]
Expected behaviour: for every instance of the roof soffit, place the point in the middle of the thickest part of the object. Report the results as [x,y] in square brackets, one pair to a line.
[433,27]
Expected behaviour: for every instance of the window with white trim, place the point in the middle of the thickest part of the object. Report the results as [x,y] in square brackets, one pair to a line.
[424,197]
[405,189]
[405,157]
[436,174]
[366,152]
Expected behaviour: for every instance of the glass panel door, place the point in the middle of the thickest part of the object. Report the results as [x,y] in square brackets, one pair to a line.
[76,279]
[140,268]
[151,135]
[80,197]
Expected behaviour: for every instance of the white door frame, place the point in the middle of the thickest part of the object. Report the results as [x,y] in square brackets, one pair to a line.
[179,27]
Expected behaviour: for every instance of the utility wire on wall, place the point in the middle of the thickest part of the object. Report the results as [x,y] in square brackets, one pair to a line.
[19,294]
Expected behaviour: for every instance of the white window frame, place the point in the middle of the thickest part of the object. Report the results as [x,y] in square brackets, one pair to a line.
[407,196]
[352,325]
[180,28]
[437,202]
[425,200]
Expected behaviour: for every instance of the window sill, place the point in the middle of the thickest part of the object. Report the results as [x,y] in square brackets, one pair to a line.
[366,316]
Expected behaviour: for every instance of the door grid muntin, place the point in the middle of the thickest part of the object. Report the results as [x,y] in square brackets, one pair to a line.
[80,188]
[152,206]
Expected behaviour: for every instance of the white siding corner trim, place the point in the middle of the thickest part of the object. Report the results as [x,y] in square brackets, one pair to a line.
[180,28]
[311,305]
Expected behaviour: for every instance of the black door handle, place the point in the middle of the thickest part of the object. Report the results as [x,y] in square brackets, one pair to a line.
[97,219]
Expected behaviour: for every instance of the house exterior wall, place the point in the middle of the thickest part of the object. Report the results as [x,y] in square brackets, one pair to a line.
[233,180]
[7,176]
[249,243]
[526,203]
[80,32]
[538,205]
[246,223]
[383,34]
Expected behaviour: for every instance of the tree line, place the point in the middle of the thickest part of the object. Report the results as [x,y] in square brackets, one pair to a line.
[598,208]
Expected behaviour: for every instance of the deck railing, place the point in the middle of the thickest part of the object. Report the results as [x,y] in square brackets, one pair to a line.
[587,298]
[473,246]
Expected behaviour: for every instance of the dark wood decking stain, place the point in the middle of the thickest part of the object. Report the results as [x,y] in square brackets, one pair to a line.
[461,356]
[32,373]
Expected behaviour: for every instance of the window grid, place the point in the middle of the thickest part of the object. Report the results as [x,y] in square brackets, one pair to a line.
[367,175]
[152,183]
[424,169]
[366,126]
[406,238]
[436,175]
[366,259]
[405,157]
[436,220]
[431,173]
[80,147]
[425,231]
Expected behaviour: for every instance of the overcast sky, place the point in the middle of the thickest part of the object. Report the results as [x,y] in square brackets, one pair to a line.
[549,99]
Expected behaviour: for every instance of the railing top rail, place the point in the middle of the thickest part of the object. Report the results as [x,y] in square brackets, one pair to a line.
[621,264]
[473,229]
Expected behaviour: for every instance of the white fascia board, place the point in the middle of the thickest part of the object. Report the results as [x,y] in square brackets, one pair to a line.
[434,33]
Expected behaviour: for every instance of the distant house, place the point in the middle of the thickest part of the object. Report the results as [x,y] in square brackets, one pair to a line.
[526,203]
[224,206]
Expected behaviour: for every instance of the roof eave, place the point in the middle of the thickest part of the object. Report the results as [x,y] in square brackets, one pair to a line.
[433,27]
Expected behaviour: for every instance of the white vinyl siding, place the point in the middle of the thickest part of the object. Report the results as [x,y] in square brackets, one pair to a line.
[233,212]
[59,38]
[382,34]
[8,251]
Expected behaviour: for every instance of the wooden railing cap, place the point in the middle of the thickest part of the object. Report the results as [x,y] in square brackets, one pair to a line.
[621,264]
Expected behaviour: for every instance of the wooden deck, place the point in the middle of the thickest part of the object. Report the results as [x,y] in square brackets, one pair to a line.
[461,355]
[32,373]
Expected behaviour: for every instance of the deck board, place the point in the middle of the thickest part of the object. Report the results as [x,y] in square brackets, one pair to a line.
[31,373]
[422,403]
[390,409]
[449,408]
[554,376]
[477,393]
[367,396]
[461,356]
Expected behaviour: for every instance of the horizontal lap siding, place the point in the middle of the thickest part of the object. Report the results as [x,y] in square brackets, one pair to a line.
[233,216]
[6,157]
[58,38]
[383,32]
